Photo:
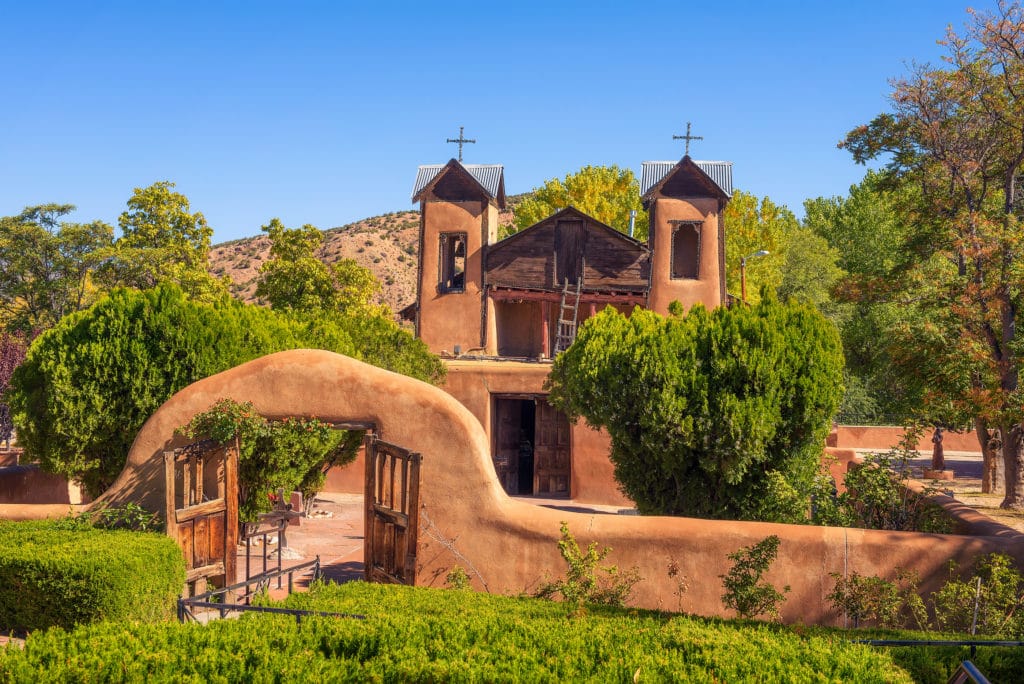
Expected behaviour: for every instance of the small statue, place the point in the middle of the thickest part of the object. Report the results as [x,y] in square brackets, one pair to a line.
[938,459]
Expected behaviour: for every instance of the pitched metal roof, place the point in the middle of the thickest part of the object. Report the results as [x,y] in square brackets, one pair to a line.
[718,171]
[489,176]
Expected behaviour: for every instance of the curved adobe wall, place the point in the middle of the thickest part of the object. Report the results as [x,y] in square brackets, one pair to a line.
[509,546]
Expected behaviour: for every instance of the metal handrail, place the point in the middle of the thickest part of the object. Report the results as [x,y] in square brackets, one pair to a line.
[973,643]
[261,580]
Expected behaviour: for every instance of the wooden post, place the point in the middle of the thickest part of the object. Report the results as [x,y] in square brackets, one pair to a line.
[368,501]
[231,514]
[545,342]
[172,527]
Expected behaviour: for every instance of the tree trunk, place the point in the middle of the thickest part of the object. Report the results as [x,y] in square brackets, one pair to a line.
[992,457]
[1013,459]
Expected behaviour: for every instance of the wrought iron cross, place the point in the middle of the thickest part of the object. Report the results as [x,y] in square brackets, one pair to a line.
[687,138]
[460,140]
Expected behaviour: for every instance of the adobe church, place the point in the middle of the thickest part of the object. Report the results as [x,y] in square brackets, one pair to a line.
[499,311]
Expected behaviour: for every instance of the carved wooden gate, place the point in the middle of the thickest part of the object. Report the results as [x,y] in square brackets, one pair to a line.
[392,512]
[205,527]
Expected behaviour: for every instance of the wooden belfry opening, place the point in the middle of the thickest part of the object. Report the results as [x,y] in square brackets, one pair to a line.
[202,511]
[392,512]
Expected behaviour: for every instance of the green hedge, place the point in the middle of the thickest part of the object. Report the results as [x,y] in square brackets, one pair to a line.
[57,573]
[433,635]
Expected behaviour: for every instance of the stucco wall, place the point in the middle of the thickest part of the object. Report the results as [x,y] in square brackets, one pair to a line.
[453,318]
[664,289]
[27,484]
[473,383]
[882,437]
[508,546]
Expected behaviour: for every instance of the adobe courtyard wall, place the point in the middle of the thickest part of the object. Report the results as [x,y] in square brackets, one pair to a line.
[507,546]
[886,437]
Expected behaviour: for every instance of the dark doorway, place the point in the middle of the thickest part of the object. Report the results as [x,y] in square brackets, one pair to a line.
[531,446]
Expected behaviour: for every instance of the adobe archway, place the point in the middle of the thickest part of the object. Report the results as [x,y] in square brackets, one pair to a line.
[508,546]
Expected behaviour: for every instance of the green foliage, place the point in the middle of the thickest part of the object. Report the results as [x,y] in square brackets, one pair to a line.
[878,497]
[457,578]
[606,193]
[130,516]
[891,604]
[88,384]
[751,225]
[64,577]
[45,266]
[703,408]
[293,454]
[12,353]
[418,634]
[745,591]
[996,588]
[295,279]
[952,144]
[587,582]
[809,272]
[162,240]
[986,603]
[892,342]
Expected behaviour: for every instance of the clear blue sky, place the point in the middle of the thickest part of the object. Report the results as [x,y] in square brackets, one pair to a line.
[320,112]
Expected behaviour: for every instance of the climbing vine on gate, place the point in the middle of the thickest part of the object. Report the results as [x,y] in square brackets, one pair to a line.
[293,454]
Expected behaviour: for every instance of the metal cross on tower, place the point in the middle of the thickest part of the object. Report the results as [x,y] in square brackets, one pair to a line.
[687,138]
[460,140]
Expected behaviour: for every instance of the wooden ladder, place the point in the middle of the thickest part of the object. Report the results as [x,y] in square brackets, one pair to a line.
[567,316]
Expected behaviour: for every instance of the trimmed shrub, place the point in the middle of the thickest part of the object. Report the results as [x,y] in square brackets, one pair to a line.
[417,634]
[712,414]
[63,573]
[88,384]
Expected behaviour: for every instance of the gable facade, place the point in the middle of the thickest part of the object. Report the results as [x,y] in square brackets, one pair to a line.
[500,310]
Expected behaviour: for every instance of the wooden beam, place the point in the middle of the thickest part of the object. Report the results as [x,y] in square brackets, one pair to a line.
[211,570]
[192,512]
[172,527]
[516,295]
[545,326]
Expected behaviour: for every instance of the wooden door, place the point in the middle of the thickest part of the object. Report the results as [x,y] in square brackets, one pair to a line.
[569,245]
[205,526]
[392,512]
[507,419]
[552,452]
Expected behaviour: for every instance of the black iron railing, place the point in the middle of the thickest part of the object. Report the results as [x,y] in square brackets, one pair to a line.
[237,597]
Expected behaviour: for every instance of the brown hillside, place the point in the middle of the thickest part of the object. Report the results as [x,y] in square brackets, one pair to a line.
[384,244]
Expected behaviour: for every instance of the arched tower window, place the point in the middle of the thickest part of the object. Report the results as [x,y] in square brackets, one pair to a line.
[686,249]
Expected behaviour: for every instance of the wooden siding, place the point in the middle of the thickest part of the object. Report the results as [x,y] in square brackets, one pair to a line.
[530,259]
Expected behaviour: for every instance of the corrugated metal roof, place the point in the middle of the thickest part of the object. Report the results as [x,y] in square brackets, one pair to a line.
[487,175]
[718,171]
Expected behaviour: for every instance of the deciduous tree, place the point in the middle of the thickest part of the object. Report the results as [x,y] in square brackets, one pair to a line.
[296,278]
[162,240]
[956,136]
[607,193]
[753,224]
[46,266]
[12,353]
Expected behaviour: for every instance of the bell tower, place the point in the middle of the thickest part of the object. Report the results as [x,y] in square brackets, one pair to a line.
[687,238]
[459,206]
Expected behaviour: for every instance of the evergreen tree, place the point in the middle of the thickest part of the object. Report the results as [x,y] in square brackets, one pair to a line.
[719,414]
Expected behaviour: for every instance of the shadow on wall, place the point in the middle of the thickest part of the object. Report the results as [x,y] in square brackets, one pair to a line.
[507,546]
